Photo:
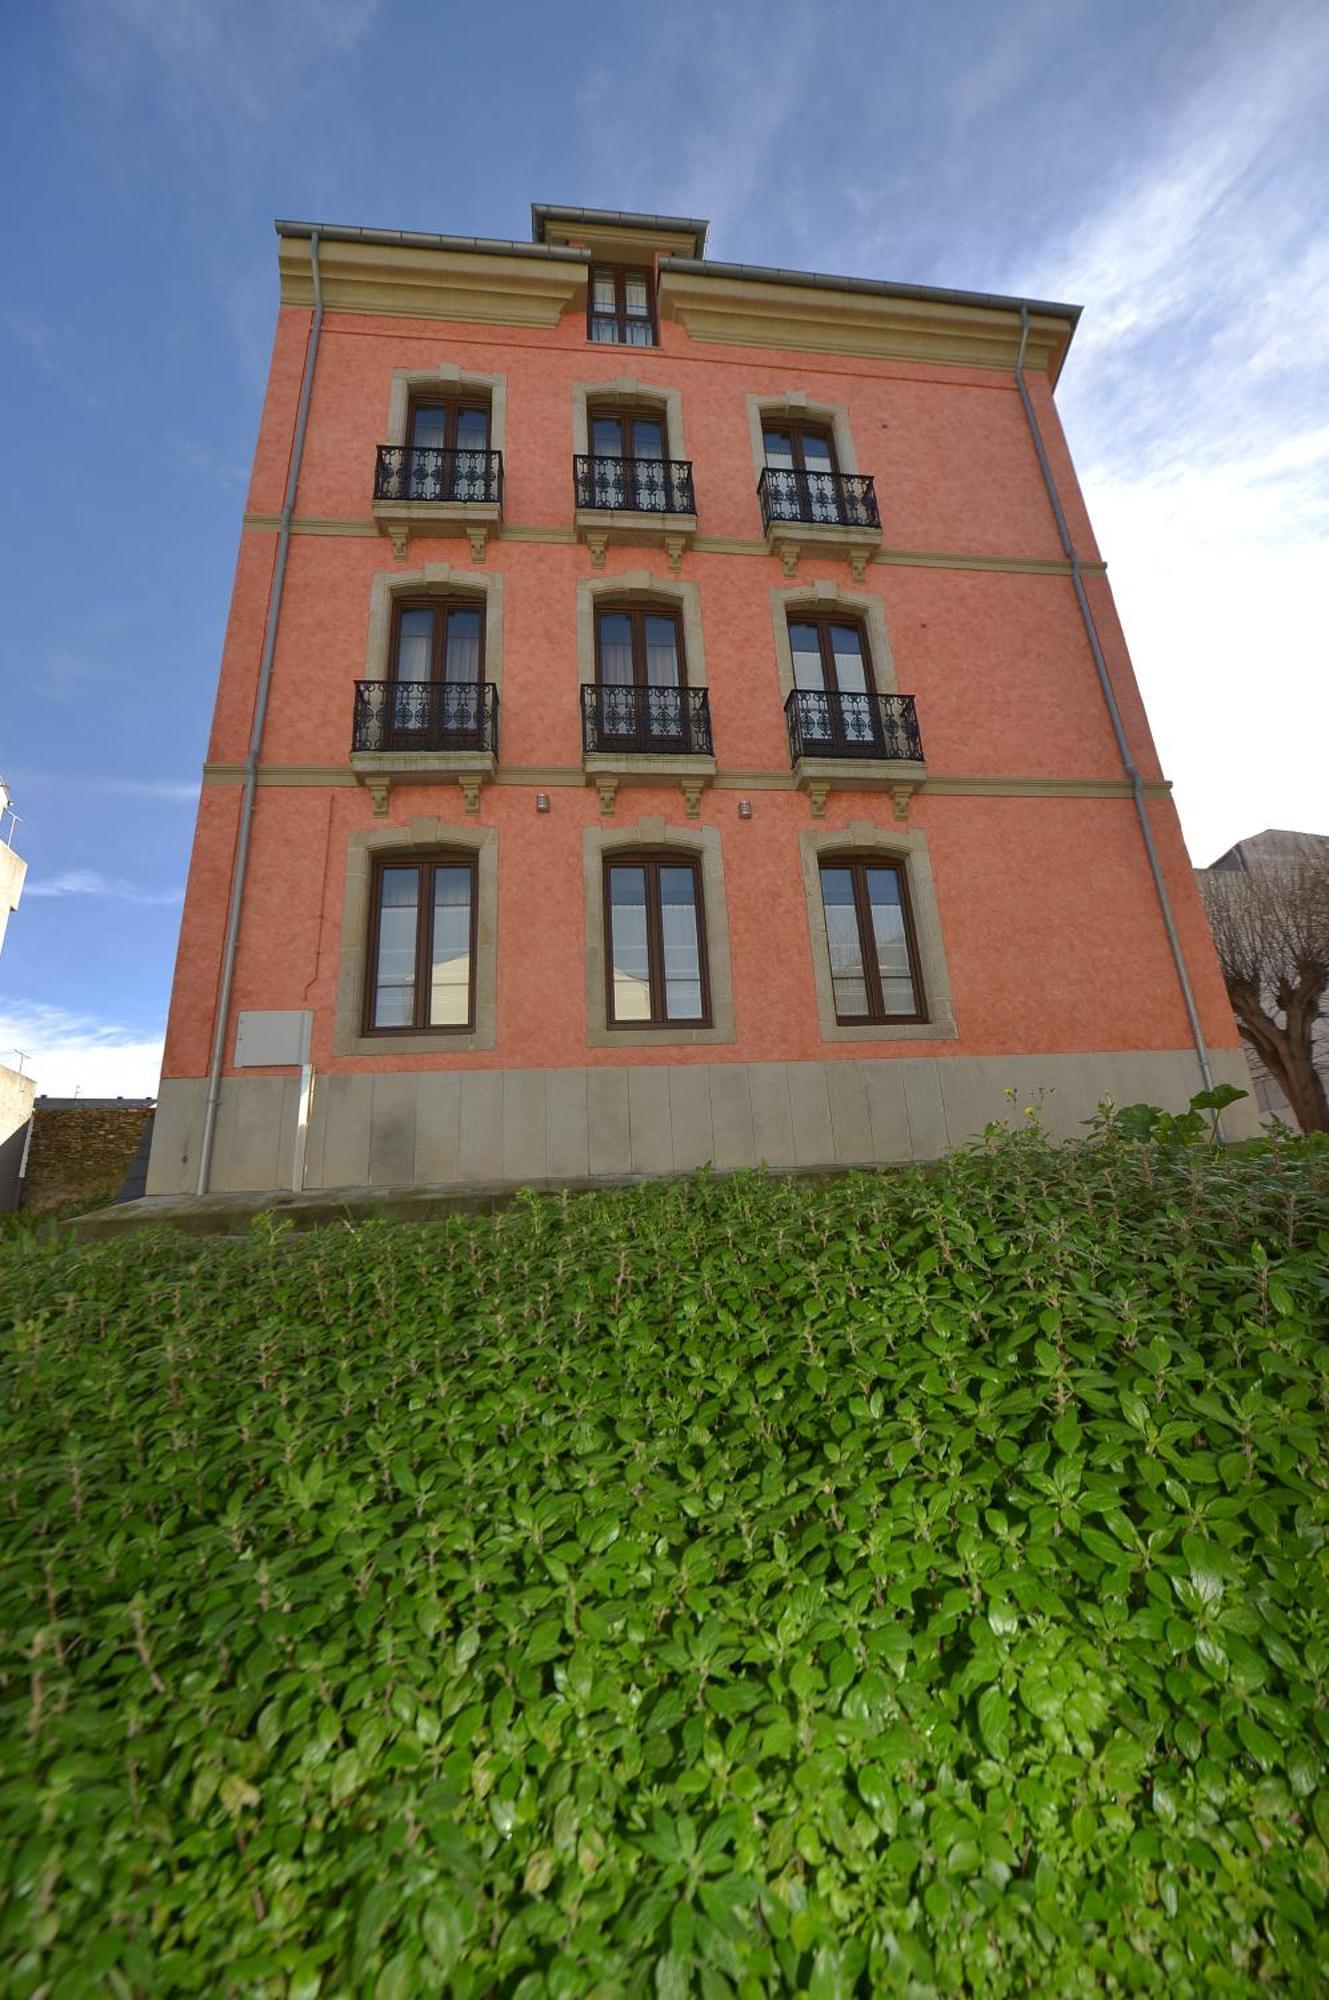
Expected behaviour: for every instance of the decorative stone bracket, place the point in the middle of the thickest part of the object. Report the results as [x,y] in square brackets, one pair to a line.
[789,550]
[608,790]
[477,520]
[597,540]
[691,789]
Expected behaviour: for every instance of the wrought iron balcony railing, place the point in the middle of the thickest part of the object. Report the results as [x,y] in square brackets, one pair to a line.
[880,726]
[426,472]
[830,499]
[646,721]
[638,485]
[425,715]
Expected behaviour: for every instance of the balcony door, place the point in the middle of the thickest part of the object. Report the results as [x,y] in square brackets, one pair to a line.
[639,673]
[449,458]
[837,708]
[437,661]
[802,482]
[628,451]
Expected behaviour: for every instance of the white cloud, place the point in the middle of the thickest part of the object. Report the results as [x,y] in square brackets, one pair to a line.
[65,1053]
[170,791]
[1195,401]
[87,882]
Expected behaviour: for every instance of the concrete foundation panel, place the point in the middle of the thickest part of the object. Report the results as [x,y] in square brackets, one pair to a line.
[492,1127]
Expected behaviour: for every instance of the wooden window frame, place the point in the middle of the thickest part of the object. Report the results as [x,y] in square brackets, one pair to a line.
[628,414]
[798,430]
[637,612]
[620,315]
[825,621]
[452,406]
[858,864]
[652,859]
[457,601]
[424,864]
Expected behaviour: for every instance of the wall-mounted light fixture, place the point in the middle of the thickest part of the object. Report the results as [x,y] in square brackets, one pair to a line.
[745,809]
[542,802]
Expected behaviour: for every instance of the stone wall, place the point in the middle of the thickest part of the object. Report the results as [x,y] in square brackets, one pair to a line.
[80,1154]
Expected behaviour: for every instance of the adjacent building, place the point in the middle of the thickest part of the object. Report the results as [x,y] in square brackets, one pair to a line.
[671,711]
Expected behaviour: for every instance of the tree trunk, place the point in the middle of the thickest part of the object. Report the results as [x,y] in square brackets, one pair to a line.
[1287,1054]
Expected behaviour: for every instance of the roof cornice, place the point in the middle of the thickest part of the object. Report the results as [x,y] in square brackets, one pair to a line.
[753,305]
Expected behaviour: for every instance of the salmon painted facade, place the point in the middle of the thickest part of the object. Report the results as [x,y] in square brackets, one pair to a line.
[659,723]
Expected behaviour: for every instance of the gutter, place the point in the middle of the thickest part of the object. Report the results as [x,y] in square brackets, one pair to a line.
[226,980]
[416,239]
[1108,692]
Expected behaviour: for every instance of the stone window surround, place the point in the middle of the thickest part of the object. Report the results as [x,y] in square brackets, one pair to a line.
[628,389]
[433,580]
[639,586]
[421,834]
[447,379]
[794,403]
[699,843]
[910,847]
[865,607]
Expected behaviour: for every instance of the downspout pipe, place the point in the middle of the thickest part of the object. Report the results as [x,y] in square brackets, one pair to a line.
[248,797]
[1128,763]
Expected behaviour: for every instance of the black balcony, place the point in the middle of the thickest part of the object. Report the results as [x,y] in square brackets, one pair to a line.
[426,715]
[646,721]
[634,485]
[827,499]
[883,727]
[426,472]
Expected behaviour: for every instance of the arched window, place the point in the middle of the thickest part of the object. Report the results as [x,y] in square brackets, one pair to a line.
[875,973]
[436,668]
[422,930]
[833,682]
[640,675]
[655,941]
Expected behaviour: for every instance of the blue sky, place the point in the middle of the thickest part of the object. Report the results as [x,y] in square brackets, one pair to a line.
[1166,165]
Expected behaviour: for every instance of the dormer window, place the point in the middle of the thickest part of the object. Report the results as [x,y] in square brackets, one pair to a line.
[621,307]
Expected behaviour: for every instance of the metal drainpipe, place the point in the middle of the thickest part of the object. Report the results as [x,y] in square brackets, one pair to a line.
[1128,764]
[248,797]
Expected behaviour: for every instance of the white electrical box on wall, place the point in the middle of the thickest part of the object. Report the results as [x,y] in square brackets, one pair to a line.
[274,1039]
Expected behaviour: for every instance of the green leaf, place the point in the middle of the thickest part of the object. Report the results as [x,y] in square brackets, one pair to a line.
[994,1722]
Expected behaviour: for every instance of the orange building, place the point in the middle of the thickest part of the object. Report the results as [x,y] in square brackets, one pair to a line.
[671,711]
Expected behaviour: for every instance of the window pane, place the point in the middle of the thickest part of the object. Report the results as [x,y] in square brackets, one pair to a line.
[394,987]
[606,437]
[648,438]
[805,646]
[661,652]
[891,944]
[427,426]
[462,659]
[850,671]
[779,448]
[602,291]
[605,331]
[415,646]
[450,966]
[682,951]
[473,430]
[615,649]
[630,969]
[847,980]
[816,453]
[635,294]
[638,333]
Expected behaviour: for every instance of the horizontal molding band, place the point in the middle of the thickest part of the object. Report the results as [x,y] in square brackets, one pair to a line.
[711,545]
[547,776]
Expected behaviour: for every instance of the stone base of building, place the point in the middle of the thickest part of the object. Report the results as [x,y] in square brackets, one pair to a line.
[495,1128]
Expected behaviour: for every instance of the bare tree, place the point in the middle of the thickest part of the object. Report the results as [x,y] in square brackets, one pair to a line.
[1271,927]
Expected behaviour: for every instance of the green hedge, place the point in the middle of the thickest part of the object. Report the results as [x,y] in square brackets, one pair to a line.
[913,1583]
